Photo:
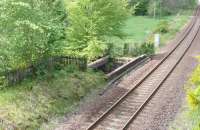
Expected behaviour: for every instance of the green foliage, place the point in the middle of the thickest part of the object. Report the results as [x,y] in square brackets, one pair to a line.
[194,95]
[33,103]
[95,49]
[30,30]
[137,49]
[162,27]
[138,7]
[90,21]
[144,48]
[193,98]
[195,77]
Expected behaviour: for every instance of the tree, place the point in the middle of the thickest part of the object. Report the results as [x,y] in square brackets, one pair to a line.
[30,30]
[90,21]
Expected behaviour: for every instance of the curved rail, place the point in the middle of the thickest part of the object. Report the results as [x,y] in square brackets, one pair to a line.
[185,34]
[159,85]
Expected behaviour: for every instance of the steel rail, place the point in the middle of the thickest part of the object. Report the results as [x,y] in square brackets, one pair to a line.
[185,34]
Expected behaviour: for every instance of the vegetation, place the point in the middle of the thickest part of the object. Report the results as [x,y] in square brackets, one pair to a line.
[90,21]
[189,118]
[141,49]
[162,27]
[32,103]
[193,98]
[176,22]
[159,7]
[33,30]
[143,30]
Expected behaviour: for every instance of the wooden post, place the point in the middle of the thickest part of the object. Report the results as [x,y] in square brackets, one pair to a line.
[126,48]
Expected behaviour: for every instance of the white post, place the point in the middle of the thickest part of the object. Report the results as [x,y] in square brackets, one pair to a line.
[157,40]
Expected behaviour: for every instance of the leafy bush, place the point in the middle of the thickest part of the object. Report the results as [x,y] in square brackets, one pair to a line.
[30,30]
[163,27]
[95,49]
[147,48]
[193,98]
[90,21]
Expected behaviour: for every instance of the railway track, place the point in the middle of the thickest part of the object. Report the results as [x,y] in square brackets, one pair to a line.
[123,112]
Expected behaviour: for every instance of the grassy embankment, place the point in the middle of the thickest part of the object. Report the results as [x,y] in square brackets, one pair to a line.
[32,103]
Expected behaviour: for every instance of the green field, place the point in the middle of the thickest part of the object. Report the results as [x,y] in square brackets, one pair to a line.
[138,28]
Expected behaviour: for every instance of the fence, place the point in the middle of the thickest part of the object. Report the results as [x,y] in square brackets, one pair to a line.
[15,76]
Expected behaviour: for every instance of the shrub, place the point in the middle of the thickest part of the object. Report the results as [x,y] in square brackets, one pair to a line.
[144,48]
[95,49]
[162,27]
[147,48]
[193,98]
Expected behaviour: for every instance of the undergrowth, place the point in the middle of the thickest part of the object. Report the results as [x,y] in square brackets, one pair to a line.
[189,118]
[34,102]
[193,99]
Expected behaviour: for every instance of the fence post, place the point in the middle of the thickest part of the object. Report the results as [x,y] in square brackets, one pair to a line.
[126,48]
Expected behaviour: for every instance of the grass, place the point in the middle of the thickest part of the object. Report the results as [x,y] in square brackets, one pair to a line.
[32,103]
[139,29]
